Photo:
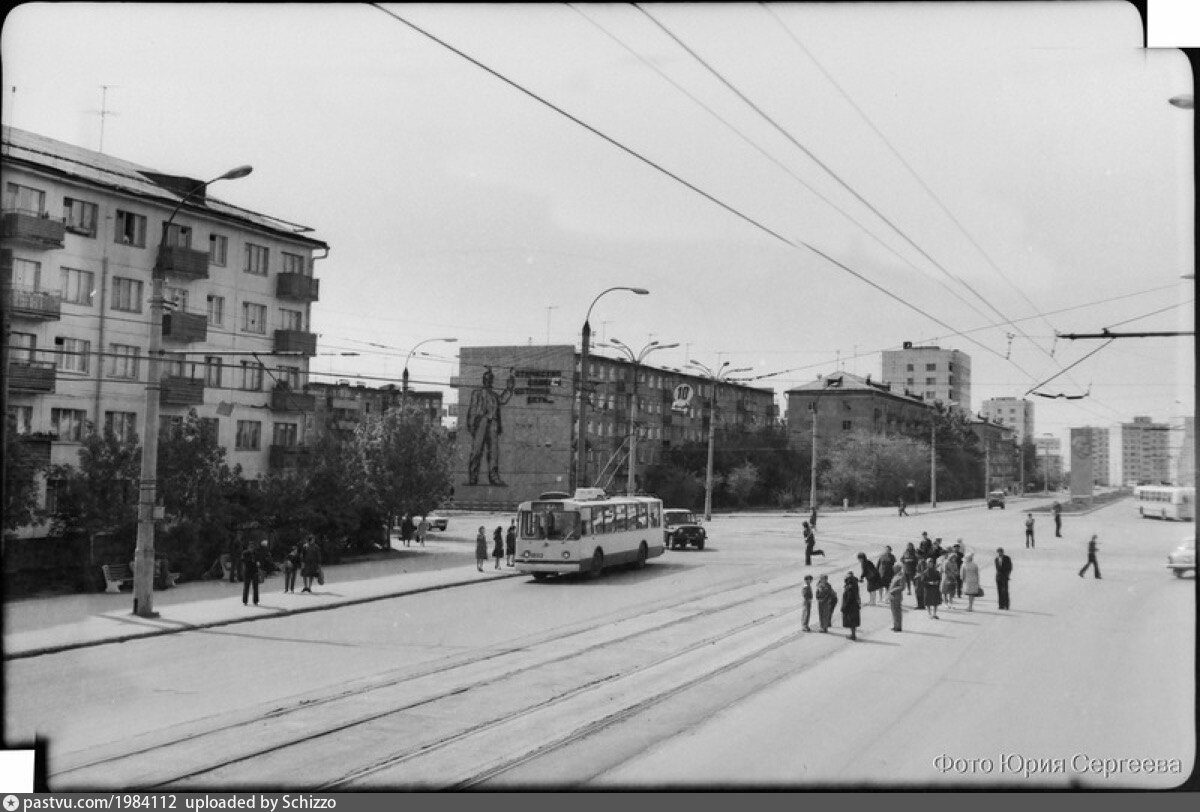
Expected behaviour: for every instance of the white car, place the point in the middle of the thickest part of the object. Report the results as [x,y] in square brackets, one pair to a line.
[437,522]
[1183,559]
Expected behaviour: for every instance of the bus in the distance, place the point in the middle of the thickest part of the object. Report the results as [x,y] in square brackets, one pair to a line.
[588,532]
[1166,502]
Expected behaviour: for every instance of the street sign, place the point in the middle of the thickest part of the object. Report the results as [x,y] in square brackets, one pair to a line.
[682,397]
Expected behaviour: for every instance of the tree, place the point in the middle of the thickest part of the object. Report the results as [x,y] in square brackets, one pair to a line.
[20,481]
[865,467]
[100,494]
[741,481]
[404,463]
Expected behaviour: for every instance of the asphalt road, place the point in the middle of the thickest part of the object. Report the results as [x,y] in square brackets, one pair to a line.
[691,673]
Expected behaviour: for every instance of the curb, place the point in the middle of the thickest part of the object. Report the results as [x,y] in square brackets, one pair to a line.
[187,627]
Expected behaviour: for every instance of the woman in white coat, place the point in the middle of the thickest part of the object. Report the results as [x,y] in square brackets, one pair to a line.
[970,581]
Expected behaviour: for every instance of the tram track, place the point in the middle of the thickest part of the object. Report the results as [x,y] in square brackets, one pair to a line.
[217,751]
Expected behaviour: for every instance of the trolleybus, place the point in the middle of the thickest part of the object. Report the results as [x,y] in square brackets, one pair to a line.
[587,532]
[1166,502]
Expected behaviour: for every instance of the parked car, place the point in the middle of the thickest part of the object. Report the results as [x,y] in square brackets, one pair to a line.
[681,528]
[1183,559]
[995,499]
[437,522]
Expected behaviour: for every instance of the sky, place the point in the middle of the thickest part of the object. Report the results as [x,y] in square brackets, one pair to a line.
[799,186]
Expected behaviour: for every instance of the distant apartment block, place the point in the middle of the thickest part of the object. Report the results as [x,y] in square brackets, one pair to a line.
[1014,412]
[931,373]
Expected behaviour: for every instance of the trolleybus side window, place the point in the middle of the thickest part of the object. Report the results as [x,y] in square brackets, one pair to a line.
[620,520]
[655,515]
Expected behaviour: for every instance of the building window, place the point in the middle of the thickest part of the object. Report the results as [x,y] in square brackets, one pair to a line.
[931,367]
[218,249]
[123,360]
[26,274]
[178,297]
[256,259]
[252,376]
[22,347]
[22,417]
[169,425]
[78,287]
[284,435]
[212,370]
[174,363]
[291,319]
[122,425]
[931,381]
[249,434]
[216,311]
[254,318]
[289,377]
[910,382]
[68,424]
[293,263]
[909,368]
[176,236]
[127,294]
[80,216]
[845,425]
[74,355]
[210,429]
[131,229]
[24,199]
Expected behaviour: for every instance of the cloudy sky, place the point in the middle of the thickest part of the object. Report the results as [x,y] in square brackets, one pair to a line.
[800,186]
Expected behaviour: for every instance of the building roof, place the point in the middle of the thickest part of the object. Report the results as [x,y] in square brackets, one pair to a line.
[848,382]
[115,174]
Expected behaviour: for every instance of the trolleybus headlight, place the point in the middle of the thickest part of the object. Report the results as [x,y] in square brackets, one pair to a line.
[566,554]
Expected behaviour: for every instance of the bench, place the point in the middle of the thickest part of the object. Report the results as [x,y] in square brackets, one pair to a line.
[116,576]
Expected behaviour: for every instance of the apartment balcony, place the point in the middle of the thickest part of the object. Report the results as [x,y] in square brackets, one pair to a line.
[32,230]
[185,328]
[31,376]
[184,263]
[33,305]
[342,424]
[284,457]
[297,287]
[37,446]
[177,390]
[289,400]
[296,341]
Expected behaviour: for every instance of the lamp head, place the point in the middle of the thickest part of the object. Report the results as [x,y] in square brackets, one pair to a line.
[640,291]
[237,172]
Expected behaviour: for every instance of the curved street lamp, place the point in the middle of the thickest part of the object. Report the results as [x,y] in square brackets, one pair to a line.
[720,376]
[636,358]
[411,353]
[581,429]
[143,556]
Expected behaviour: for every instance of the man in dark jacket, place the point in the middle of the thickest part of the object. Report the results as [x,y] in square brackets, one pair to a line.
[1091,559]
[249,573]
[1004,569]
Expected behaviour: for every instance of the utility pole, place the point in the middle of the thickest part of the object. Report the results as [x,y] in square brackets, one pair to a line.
[933,463]
[812,486]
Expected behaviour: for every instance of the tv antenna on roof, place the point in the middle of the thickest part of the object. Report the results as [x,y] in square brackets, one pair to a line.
[104,111]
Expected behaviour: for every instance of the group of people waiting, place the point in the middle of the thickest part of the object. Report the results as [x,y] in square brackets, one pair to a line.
[502,545]
[934,574]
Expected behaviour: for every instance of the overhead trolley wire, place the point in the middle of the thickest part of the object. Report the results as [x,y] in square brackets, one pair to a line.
[638,156]
[920,182]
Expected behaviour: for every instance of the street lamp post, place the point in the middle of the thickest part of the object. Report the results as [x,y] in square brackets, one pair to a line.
[581,429]
[716,377]
[143,556]
[636,358]
[411,353]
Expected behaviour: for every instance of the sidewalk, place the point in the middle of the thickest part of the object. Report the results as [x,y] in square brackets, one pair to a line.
[204,604]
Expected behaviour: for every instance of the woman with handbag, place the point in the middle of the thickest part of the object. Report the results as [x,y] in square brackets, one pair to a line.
[970,581]
[310,567]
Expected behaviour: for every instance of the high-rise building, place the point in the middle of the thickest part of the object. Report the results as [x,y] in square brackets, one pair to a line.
[1049,458]
[931,373]
[1140,453]
[82,234]
[1014,412]
[1183,468]
[1095,443]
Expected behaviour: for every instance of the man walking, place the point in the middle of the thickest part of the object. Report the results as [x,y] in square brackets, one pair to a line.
[1057,520]
[902,506]
[1029,530]
[1091,559]
[810,543]
[1003,573]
